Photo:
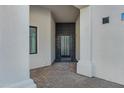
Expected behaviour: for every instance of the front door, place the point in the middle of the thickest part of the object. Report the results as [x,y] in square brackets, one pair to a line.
[65,42]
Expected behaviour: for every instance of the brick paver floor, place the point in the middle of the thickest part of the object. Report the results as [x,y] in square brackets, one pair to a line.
[59,75]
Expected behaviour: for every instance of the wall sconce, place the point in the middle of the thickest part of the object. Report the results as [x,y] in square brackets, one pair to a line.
[122,16]
[105,20]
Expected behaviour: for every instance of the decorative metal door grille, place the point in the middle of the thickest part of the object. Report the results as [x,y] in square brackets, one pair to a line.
[65,48]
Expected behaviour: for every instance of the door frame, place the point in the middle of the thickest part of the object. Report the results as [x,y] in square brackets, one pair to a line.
[73,57]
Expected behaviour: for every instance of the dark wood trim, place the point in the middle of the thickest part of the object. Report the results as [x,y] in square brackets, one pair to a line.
[36,39]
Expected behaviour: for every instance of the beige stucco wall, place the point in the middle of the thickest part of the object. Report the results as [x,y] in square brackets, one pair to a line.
[52,39]
[78,38]
[42,18]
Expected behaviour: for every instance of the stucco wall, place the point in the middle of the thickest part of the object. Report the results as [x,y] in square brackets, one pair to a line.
[108,43]
[14,47]
[41,18]
[78,38]
[52,39]
[106,54]
[84,64]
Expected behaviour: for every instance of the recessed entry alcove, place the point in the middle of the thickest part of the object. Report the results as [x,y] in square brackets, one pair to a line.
[65,42]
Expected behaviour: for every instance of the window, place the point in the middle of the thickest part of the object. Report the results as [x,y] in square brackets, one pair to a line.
[33,40]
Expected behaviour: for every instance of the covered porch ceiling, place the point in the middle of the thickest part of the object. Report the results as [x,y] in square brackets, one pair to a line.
[80,6]
[64,13]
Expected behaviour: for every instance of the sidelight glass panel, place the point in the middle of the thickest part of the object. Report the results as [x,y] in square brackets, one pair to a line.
[62,45]
[65,41]
[33,40]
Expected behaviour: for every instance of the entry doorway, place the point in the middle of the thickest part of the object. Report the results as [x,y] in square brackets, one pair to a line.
[65,42]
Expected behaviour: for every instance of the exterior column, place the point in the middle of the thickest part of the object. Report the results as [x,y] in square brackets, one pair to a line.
[14,47]
[84,66]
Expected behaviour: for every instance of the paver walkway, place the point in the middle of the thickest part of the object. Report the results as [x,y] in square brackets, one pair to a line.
[60,76]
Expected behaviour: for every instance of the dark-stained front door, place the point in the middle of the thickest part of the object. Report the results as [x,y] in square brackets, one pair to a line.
[65,42]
